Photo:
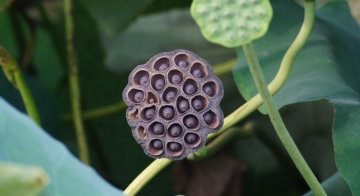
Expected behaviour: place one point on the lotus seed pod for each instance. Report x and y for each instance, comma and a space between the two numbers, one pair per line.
173, 104
232, 23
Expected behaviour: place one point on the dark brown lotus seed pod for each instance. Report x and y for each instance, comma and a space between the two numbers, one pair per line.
173, 104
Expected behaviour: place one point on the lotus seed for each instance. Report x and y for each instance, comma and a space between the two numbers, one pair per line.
190, 88
174, 146
208, 118
208, 90
170, 95
168, 112
175, 130
163, 67
197, 104
158, 128
183, 64
159, 84
157, 144
190, 121
176, 79
149, 113
197, 73
138, 97
144, 80
183, 105
191, 138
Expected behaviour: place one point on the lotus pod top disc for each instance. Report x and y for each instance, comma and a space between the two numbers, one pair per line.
232, 23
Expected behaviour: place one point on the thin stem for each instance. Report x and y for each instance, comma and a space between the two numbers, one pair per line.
277, 121
281, 76
146, 175
74, 83
15, 76
224, 68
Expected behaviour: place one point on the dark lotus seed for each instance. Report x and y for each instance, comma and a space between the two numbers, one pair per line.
191, 138
138, 97
170, 96
174, 146
163, 66
176, 79
144, 80
158, 128
183, 64
190, 121
208, 117
168, 112
183, 105
157, 144
149, 113
190, 89
175, 130
208, 90
197, 104
159, 84
197, 73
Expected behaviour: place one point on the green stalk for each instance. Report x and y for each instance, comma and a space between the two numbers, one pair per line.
277, 121
15, 76
75, 94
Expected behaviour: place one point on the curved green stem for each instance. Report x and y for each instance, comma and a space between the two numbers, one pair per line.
279, 80
15, 76
277, 121
74, 83
146, 175
281, 76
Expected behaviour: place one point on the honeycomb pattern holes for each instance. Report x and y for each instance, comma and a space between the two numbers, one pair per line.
141, 78
190, 87
199, 103
211, 119
175, 77
192, 140
167, 112
151, 98
141, 133
174, 149
157, 128
182, 104
198, 70
175, 130
148, 113
136, 96
210, 88
191, 121
162, 64
156, 147
158, 82
170, 94
182, 60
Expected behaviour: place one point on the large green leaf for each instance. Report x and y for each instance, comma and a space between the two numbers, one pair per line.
22, 141
327, 68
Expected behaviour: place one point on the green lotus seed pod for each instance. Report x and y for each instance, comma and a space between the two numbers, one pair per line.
232, 23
